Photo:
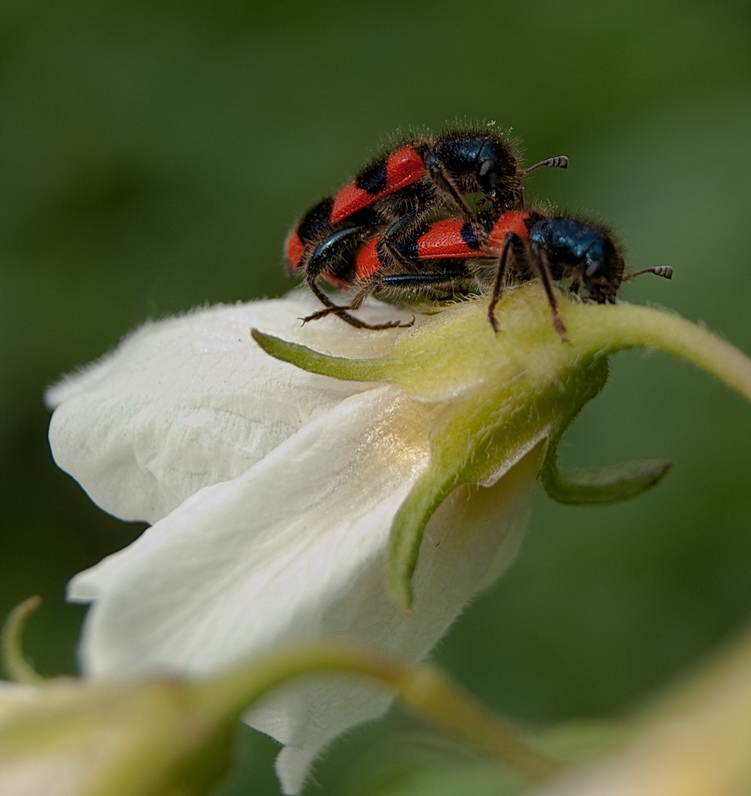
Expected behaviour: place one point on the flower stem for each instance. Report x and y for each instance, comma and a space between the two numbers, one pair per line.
422, 687
628, 326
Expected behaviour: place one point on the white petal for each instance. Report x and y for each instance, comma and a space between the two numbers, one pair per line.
191, 401
14, 696
30, 760
246, 561
32, 776
273, 492
474, 533
294, 550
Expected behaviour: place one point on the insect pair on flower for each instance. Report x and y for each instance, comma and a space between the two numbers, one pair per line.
444, 216
413, 453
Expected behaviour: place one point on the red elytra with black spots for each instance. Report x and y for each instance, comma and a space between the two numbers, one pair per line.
452, 257
459, 172
466, 256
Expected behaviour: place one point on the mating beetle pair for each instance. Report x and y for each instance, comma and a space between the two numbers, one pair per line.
444, 216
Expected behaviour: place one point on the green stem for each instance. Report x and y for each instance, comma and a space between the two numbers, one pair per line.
629, 326
422, 687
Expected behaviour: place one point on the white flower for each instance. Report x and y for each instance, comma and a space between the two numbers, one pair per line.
280, 498
68, 737
272, 492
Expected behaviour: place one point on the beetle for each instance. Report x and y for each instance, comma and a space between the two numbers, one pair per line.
470, 172
445, 258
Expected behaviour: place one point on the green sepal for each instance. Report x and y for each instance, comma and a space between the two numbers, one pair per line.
496, 394
598, 486
15, 664
408, 530
601, 485
315, 362
524, 419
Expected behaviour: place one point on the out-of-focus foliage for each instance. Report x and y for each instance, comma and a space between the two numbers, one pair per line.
152, 157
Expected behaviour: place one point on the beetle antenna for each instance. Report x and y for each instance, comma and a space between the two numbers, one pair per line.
558, 162
665, 271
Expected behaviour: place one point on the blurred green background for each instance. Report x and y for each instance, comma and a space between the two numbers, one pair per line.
152, 158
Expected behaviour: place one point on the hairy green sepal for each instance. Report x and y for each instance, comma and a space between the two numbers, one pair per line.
497, 397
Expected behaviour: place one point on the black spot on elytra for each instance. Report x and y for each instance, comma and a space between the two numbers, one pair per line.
406, 244
316, 220
372, 178
469, 237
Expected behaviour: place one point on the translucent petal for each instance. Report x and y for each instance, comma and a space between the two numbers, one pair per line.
191, 401
274, 492
295, 550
